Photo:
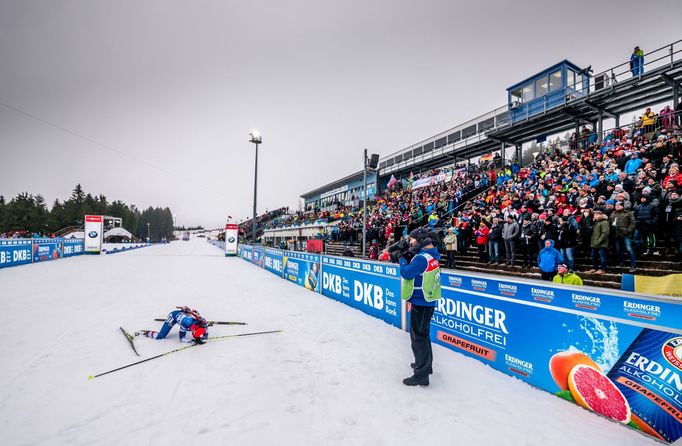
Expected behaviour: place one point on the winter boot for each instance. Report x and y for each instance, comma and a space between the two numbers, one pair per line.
417, 381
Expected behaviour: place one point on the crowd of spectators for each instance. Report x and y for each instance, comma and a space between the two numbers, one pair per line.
25, 234
611, 202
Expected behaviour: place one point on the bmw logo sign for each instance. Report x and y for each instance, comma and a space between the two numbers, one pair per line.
92, 234
231, 239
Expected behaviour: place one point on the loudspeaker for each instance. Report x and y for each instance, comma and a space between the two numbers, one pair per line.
373, 161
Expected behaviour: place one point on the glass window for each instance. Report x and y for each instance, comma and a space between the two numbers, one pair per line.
578, 82
527, 92
555, 81
517, 95
541, 87
452, 137
467, 132
570, 81
486, 124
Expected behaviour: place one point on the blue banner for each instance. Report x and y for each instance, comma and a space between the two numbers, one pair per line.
15, 252
245, 252
302, 268
45, 249
72, 247
257, 258
573, 342
372, 287
663, 312
273, 261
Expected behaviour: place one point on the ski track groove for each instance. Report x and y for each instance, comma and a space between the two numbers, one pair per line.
169, 407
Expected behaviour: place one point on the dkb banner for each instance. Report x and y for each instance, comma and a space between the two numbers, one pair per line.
302, 268
72, 247
615, 359
372, 287
257, 258
15, 252
46, 249
246, 252
273, 261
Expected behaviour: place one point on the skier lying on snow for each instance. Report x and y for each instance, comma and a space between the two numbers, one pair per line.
187, 320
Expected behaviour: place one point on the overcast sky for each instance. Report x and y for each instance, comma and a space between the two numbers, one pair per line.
151, 102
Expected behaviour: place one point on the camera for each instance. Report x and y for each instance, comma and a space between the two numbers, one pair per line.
400, 249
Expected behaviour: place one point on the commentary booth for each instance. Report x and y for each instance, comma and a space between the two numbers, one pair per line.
616, 353
547, 89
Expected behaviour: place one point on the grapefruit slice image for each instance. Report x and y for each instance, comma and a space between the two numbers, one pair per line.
594, 391
561, 364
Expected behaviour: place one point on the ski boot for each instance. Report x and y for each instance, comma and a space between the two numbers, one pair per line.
146, 333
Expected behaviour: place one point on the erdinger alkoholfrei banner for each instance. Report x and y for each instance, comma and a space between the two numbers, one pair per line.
45, 249
618, 356
93, 233
231, 237
302, 268
273, 261
15, 252
371, 287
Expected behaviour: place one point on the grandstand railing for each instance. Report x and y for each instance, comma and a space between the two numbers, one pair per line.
499, 118
665, 56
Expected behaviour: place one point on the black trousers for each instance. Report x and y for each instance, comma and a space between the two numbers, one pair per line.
451, 259
420, 328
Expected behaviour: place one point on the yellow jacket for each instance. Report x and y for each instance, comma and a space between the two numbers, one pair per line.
648, 118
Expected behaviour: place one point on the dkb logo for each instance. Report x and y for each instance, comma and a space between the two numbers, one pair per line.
331, 282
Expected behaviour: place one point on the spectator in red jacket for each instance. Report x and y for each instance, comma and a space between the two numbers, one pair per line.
482, 241
674, 175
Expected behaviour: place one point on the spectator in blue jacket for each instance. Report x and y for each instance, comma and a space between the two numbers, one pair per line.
548, 260
632, 165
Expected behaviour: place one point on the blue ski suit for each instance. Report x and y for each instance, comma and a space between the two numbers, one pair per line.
184, 321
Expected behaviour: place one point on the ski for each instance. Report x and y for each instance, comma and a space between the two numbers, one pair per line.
130, 339
213, 322
180, 349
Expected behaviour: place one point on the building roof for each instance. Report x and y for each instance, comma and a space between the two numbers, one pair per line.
335, 184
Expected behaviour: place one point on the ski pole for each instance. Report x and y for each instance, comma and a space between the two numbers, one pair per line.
180, 349
212, 322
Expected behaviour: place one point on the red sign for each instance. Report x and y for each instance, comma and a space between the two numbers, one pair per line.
315, 246
231, 226
94, 218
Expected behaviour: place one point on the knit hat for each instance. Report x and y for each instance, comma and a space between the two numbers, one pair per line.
419, 234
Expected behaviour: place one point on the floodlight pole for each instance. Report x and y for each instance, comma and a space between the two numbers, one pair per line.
256, 139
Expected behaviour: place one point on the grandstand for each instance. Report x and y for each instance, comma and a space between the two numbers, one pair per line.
625, 173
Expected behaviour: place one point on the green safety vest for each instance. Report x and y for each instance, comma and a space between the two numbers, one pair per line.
430, 281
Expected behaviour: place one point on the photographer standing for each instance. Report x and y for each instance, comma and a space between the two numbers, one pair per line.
421, 286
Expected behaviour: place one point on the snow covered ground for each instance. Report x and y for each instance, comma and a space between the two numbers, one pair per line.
332, 377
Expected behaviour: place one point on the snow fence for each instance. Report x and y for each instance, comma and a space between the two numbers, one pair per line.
547, 335
14, 252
